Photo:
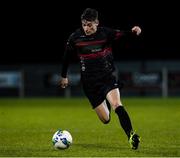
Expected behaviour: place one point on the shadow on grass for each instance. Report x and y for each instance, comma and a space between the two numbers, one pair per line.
101, 146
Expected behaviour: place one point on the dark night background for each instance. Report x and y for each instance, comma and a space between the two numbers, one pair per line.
37, 32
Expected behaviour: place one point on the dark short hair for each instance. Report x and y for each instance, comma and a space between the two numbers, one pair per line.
89, 14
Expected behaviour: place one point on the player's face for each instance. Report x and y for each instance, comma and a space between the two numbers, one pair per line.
89, 27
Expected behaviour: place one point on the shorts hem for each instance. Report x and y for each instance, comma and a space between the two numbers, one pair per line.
104, 97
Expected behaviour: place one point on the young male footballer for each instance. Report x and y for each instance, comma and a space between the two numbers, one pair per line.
93, 45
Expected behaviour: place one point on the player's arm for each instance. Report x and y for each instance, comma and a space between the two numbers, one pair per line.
135, 31
118, 34
64, 79
63, 82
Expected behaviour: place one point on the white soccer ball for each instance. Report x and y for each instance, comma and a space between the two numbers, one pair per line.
62, 139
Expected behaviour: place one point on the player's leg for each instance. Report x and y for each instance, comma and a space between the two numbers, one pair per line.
113, 97
103, 112
108, 105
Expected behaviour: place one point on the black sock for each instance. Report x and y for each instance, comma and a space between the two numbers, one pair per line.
124, 120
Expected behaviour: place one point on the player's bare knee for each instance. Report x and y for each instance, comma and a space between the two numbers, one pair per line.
114, 106
106, 121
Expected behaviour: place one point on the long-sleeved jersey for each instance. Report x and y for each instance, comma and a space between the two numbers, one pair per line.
94, 51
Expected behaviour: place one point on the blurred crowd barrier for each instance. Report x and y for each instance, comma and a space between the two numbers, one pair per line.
136, 78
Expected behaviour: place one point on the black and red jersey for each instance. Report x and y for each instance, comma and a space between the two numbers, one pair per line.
94, 51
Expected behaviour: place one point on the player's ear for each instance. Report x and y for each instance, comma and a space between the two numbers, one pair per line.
97, 22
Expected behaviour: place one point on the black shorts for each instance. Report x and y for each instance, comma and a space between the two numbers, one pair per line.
96, 89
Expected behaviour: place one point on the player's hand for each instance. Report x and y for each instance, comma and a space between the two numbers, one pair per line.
136, 29
63, 82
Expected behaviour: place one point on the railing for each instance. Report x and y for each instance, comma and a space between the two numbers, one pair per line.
42, 80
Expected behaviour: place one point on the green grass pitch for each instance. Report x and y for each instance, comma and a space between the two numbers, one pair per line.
27, 126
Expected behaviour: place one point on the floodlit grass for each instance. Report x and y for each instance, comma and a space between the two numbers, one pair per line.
27, 126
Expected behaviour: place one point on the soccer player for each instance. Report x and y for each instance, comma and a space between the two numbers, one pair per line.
93, 45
